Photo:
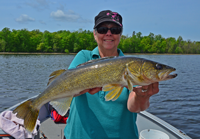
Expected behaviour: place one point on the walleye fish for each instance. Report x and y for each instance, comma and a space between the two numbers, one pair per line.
111, 73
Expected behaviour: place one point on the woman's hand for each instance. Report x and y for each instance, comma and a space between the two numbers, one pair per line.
92, 91
139, 98
147, 91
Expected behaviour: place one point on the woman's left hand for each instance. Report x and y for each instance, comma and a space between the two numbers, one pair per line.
139, 98
147, 91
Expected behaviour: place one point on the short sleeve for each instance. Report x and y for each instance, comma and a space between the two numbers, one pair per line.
80, 58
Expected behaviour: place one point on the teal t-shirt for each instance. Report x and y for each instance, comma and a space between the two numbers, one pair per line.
91, 117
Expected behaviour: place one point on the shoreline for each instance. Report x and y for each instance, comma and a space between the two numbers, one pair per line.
34, 53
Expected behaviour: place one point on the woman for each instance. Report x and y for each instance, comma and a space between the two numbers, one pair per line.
91, 117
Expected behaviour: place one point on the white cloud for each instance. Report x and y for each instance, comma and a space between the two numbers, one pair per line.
69, 16
24, 19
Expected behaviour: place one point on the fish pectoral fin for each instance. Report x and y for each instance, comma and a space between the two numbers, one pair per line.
54, 75
130, 85
132, 77
115, 91
118, 94
109, 87
61, 105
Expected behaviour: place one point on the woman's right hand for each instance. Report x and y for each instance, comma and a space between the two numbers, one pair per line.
92, 91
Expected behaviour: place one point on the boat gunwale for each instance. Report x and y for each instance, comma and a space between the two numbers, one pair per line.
173, 130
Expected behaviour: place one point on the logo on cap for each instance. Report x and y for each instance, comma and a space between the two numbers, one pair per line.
114, 16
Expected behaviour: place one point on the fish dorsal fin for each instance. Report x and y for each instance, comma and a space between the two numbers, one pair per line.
95, 60
115, 91
61, 105
55, 74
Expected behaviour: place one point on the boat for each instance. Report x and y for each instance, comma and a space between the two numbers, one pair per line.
145, 122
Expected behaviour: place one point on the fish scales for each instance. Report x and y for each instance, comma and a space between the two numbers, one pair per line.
84, 77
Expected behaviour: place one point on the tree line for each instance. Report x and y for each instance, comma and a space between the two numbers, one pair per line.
72, 42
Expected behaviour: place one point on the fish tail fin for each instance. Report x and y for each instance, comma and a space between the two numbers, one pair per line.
27, 112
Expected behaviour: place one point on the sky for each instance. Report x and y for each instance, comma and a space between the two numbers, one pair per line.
169, 18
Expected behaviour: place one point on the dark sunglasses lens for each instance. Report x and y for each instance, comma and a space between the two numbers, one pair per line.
116, 30
102, 30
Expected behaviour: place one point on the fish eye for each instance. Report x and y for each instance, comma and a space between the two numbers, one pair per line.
159, 66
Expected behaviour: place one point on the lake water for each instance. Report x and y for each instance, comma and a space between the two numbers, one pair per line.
178, 102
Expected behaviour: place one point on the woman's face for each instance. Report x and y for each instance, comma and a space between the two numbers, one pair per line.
107, 41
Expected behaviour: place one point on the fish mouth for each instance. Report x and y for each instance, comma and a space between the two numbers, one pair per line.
167, 75
171, 76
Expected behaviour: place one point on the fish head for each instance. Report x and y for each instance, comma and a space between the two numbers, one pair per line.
155, 72
145, 72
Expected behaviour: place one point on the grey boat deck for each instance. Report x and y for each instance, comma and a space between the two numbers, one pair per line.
52, 130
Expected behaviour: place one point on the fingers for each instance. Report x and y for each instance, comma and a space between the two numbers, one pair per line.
155, 87
141, 89
147, 90
92, 91
82, 92
144, 89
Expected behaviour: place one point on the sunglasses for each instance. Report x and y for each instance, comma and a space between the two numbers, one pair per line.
113, 30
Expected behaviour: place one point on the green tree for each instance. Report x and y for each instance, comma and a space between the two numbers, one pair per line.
2, 45
171, 44
139, 47
151, 37
15, 41
66, 41
127, 45
46, 44
24, 38
178, 50
5, 35
163, 47
71, 39
145, 44
41, 47
35, 39
158, 37
139, 35
56, 38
